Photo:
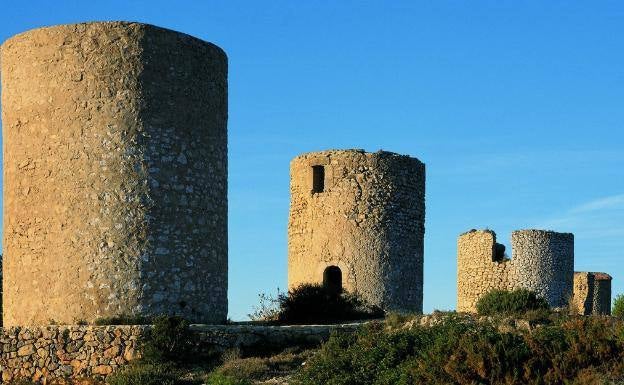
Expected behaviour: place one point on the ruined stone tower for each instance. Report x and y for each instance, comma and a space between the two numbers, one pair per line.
115, 167
357, 220
543, 262
592, 293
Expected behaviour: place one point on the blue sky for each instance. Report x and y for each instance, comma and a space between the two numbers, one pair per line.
515, 107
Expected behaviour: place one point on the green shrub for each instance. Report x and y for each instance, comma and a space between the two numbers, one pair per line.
460, 351
145, 374
123, 319
502, 302
618, 306
263, 367
316, 304
169, 340
221, 379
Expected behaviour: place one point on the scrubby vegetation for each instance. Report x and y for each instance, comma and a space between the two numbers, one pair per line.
309, 304
261, 367
502, 302
146, 374
169, 341
618, 306
164, 350
461, 350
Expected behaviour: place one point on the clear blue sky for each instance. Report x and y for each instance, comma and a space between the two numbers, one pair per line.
515, 107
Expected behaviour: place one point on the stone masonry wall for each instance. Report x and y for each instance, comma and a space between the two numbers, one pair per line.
43, 354
369, 221
55, 352
115, 174
592, 293
543, 261
602, 294
583, 301
478, 271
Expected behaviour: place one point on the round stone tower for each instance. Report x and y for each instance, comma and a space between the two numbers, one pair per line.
115, 174
357, 221
544, 263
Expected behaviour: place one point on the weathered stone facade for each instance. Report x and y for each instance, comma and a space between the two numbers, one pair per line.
48, 353
43, 354
592, 293
543, 261
364, 214
115, 174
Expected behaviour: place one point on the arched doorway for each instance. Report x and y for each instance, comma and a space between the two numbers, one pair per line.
332, 279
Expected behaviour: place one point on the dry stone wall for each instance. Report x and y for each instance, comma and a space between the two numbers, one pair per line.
44, 354
543, 261
363, 213
115, 174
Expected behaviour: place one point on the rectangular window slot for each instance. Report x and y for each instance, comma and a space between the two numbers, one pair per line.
318, 179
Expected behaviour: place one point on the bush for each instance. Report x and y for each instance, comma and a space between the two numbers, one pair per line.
618, 306
464, 352
265, 367
316, 304
145, 374
220, 379
169, 340
502, 302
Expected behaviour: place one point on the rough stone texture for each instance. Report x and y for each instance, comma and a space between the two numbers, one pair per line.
224, 337
602, 294
543, 261
115, 167
584, 287
48, 353
44, 354
592, 293
369, 221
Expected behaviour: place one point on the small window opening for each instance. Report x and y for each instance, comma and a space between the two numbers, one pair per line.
499, 253
318, 179
332, 279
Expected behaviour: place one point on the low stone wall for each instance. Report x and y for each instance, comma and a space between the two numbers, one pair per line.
242, 336
43, 354
55, 352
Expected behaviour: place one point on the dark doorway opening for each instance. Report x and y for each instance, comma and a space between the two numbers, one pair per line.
499, 253
332, 279
318, 179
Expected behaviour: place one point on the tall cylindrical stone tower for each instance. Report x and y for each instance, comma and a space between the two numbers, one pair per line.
357, 220
544, 263
115, 174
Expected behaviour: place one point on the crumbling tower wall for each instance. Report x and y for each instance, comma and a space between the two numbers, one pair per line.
358, 218
115, 174
592, 293
542, 261
584, 288
480, 269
